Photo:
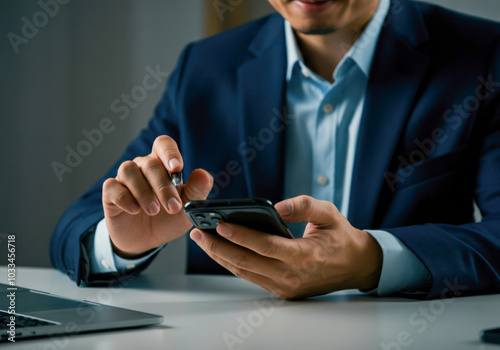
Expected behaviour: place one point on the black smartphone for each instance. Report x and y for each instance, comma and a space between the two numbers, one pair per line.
256, 213
491, 335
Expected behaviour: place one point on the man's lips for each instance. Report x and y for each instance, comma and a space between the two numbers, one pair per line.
313, 6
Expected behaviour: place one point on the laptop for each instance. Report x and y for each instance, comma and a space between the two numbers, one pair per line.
39, 314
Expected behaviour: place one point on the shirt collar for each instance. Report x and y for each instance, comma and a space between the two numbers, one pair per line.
361, 52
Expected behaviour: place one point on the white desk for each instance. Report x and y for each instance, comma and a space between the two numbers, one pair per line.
200, 312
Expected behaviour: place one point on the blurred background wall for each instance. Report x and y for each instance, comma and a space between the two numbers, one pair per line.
60, 78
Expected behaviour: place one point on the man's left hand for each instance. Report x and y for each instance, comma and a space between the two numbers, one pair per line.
332, 255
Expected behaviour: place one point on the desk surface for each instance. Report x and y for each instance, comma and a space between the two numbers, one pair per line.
221, 312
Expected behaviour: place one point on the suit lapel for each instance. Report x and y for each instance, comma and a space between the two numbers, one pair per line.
261, 92
396, 74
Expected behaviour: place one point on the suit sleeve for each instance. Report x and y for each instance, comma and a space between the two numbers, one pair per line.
464, 259
67, 248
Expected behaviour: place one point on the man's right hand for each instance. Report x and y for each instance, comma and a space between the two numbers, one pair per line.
142, 208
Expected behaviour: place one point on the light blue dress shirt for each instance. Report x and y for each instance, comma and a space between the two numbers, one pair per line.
101, 255
320, 149
322, 135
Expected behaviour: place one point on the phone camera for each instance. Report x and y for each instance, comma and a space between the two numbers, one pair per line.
205, 224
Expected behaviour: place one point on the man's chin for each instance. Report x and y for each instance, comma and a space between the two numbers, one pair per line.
316, 30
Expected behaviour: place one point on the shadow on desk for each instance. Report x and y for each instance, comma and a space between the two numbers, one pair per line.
237, 288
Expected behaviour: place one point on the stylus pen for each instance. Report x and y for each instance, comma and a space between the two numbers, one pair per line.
176, 178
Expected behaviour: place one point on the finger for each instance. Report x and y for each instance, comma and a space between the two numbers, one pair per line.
155, 173
131, 176
165, 148
264, 244
307, 209
243, 260
116, 199
276, 276
198, 186
265, 282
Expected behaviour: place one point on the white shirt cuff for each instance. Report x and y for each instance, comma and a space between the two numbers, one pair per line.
104, 260
401, 269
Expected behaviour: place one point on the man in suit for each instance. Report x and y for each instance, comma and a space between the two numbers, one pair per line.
377, 122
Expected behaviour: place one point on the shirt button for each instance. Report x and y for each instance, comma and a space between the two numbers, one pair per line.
327, 108
322, 180
105, 263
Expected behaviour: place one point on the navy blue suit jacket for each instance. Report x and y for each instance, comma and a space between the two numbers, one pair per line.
429, 141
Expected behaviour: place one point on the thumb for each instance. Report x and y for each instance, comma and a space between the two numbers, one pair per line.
198, 186
308, 209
